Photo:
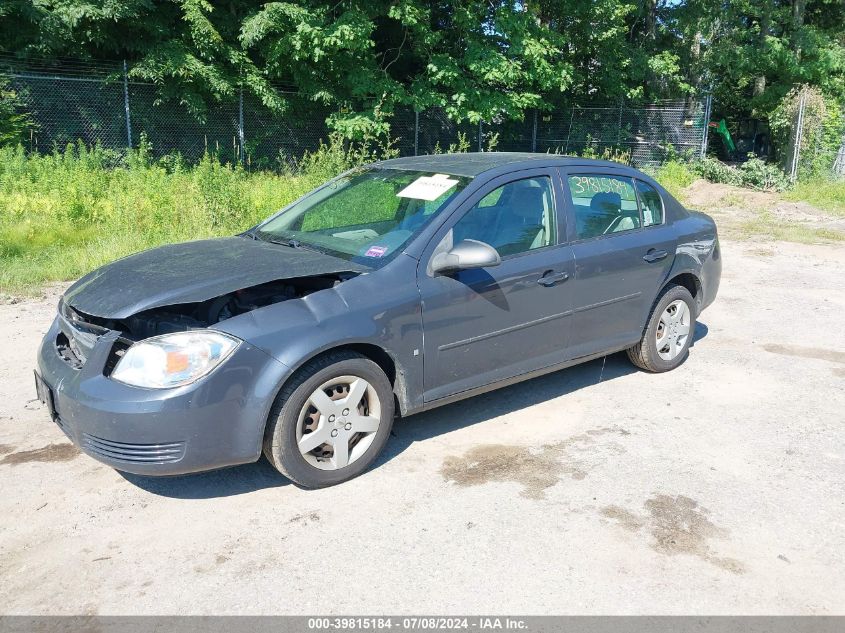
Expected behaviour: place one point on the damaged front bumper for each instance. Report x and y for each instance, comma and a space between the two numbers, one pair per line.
215, 422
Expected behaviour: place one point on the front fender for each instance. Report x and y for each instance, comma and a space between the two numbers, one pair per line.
380, 309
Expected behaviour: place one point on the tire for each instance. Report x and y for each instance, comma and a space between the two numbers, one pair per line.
294, 417
646, 354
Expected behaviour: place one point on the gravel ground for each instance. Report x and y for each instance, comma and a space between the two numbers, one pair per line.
716, 488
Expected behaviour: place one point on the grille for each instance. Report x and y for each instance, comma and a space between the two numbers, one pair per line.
134, 453
77, 337
69, 352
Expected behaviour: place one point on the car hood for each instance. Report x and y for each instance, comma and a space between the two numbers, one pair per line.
191, 272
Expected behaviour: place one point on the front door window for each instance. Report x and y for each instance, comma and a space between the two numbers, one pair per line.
514, 218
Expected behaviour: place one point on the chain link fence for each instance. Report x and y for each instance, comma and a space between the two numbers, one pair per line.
104, 106
813, 149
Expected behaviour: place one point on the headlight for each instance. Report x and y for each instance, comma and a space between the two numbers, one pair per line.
175, 359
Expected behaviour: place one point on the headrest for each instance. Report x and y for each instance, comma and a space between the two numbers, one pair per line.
527, 202
606, 202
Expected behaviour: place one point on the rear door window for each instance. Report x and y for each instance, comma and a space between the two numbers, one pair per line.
651, 202
603, 205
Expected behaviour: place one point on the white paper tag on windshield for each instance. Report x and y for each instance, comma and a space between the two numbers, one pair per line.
428, 187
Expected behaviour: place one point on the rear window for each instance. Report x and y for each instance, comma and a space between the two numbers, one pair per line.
603, 205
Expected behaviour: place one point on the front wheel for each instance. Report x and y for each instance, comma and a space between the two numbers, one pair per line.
331, 422
667, 337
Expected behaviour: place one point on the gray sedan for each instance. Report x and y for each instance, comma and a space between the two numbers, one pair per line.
394, 288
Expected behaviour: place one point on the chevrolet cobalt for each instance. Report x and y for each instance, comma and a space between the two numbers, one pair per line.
391, 289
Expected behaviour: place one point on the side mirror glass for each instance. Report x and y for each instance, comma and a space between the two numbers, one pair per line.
465, 255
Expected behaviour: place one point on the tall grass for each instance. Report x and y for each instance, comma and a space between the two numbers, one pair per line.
824, 193
754, 173
64, 214
675, 176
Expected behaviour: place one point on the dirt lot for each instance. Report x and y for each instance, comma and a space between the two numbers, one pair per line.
717, 488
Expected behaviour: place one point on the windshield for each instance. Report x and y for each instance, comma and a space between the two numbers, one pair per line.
366, 216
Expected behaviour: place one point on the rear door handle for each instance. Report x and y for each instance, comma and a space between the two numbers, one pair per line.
655, 256
550, 278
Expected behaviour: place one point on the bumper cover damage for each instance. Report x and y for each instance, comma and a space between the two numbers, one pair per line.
213, 423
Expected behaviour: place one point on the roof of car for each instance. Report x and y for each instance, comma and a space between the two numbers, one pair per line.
473, 163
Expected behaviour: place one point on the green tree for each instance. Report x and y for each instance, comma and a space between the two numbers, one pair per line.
14, 120
477, 60
758, 50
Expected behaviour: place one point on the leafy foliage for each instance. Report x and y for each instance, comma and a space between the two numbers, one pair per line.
338, 155
64, 214
753, 173
822, 126
757, 174
14, 120
717, 171
675, 175
760, 49
477, 60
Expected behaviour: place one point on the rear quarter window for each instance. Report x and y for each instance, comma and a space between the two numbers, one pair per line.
651, 202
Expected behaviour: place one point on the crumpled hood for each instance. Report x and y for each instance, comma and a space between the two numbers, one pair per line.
191, 272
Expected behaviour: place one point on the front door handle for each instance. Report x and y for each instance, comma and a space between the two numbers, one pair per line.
550, 278
655, 256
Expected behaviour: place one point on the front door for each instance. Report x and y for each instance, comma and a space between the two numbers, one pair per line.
488, 324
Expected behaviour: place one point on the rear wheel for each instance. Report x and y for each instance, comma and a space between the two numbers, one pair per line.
331, 421
667, 337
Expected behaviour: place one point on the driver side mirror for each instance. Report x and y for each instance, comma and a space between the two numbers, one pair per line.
465, 255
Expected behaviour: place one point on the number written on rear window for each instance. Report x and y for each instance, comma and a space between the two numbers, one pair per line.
603, 205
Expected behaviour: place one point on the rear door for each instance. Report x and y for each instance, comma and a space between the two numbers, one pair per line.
488, 324
623, 251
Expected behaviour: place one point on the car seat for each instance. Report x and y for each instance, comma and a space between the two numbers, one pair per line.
607, 203
520, 224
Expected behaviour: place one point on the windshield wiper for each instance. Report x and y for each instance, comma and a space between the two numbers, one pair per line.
289, 242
